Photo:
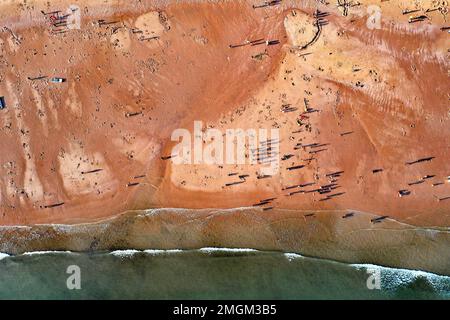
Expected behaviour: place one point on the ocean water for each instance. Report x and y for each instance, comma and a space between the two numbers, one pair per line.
207, 273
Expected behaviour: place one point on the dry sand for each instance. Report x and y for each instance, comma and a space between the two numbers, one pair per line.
381, 96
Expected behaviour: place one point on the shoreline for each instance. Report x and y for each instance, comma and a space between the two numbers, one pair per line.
322, 235
129, 253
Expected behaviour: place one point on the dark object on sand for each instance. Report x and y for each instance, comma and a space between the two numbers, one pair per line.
403, 193
410, 11
37, 78
132, 184
419, 160
295, 167
2, 103
54, 205
379, 219
267, 4
417, 19
286, 157
91, 171
132, 114
233, 183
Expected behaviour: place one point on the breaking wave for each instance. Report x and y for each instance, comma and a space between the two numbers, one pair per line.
36, 253
231, 250
320, 277
207, 250
3, 256
292, 256
392, 278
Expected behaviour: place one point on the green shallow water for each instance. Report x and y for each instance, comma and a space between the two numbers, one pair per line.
207, 274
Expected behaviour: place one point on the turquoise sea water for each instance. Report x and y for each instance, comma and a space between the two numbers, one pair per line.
206, 274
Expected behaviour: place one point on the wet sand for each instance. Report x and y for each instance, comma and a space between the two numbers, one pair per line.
322, 234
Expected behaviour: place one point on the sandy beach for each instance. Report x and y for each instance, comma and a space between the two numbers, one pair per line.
359, 95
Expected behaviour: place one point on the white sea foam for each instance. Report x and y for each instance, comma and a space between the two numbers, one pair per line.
129, 253
157, 251
154, 252
33, 253
3, 255
292, 256
124, 253
239, 250
392, 278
